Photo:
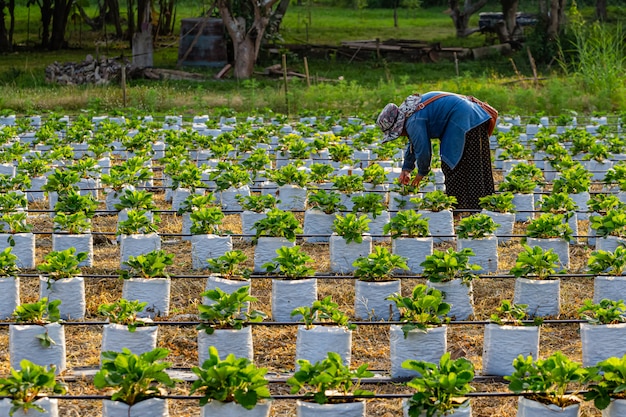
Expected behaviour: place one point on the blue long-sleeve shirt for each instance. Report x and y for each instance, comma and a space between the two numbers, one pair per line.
448, 118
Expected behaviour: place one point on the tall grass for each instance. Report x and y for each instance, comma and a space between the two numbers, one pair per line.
597, 56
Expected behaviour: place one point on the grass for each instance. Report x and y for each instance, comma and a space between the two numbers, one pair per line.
338, 84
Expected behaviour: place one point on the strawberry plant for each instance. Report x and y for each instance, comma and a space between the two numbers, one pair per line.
378, 265
229, 265
148, 265
535, 263
134, 378
227, 310
206, 220
435, 201
324, 310
499, 203
549, 380
440, 388
549, 226
230, 380
317, 381
449, 265
351, 227
605, 312
278, 223
290, 262
407, 223
476, 226
124, 312
29, 383
606, 262
424, 308
327, 201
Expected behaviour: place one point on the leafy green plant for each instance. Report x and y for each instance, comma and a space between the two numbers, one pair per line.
605, 312
188, 176
134, 378
228, 310
133, 171
8, 265
230, 176
613, 223
257, 203
572, 180
476, 226
424, 308
289, 174
348, 183
29, 383
148, 265
328, 202
601, 203
499, 203
320, 173
230, 380
16, 223
549, 226
136, 199
607, 383
324, 310
75, 223
229, 265
278, 223
62, 264
206, 220
12, 201
549, 380
509, 313
449, 265
606, 262
374, 174
318, 380
407, 223
369, 203
138, 221
351, 227
440, 388
61, 181
340, 152
517, 185
124, 312
73, 201
535, 263
290, 262
379, 265
558, 203
39, 313
435, 201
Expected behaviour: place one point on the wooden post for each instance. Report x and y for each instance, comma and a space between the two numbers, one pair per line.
123, 78
306, 72
456, 63
532, 65
285, 80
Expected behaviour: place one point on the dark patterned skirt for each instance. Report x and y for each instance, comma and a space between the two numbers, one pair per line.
472, 177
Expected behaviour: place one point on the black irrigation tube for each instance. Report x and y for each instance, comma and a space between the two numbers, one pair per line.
294, 324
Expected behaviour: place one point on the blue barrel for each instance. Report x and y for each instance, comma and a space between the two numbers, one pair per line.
209, 50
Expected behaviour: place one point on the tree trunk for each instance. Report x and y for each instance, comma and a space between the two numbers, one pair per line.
461, 17
244, 58
130, 11
5, 46
62, 9
142, 38
114, 12
246, 40
556, 18
277, 17
509, 10
601, 13
46, 18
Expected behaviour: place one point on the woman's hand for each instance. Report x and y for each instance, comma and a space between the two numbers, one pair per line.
405, 178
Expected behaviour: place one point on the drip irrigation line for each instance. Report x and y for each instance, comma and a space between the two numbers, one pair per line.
297, 323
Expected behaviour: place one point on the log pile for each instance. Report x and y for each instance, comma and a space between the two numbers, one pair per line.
90, 71
109, 70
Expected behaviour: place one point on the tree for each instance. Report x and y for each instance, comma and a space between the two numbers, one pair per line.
509, 11
555, 15
6, 34
601, 14
246, 22
461, 17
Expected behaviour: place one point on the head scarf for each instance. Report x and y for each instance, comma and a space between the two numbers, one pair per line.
391, 119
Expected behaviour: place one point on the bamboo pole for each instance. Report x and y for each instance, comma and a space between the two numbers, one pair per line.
285, 81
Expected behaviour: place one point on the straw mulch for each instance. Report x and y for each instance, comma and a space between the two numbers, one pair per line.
275, 347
